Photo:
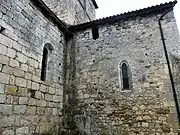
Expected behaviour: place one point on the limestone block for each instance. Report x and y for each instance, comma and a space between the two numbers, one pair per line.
20, 82
10, 89
2, 98
59, 92
43, 88
35, 86
38, 95
57, 98
32, 101
41, 103
23, 100
22, 131
52, 90
4, 78
4, 59
24, 67
8, 132
22, 91
29, 84
31, 110
19, 109
8, 70
55, 111
7, 121
6, 109
3, 49
2, 86
21, 58
18, 72
6, 41
11, 53
48, 97
13, 63
9, 99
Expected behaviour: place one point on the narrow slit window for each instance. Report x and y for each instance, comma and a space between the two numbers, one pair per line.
95, 32
44, 64
125, 77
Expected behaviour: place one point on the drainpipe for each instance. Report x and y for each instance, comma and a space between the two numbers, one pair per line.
168, 62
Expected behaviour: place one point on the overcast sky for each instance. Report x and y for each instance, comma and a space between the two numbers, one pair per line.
113, 7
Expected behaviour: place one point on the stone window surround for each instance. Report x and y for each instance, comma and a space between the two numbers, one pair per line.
49, 49
129, 76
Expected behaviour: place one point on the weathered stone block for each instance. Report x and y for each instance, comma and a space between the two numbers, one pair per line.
38, 95
19, 109
13, 63
57, 98
31, 110
43, 88
11, 53
4, 78
4, 59
2, 98
23, 100
8, 70
3, 49
41, 103
32, 101
18, 72
10, 89
21, 58
48, 97
24, 67
35, 86
20, 82
6, 109
22, 131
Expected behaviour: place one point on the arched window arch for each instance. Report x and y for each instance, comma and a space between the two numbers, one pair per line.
125, 76
47, 50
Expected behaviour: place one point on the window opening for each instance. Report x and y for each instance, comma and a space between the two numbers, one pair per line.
125, 77
95, 32
44, 64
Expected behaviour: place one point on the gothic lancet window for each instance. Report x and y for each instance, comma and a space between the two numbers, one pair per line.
46, 52
125, 76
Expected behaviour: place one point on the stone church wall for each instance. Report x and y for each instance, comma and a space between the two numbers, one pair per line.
29, 106
72, 11
148, 107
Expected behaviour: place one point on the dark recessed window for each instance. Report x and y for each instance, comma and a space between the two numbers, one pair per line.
46, 60
44, 64
125, 76
95, 32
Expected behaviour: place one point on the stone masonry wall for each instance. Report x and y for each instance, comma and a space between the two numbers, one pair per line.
72, 11
29, 106
103, 107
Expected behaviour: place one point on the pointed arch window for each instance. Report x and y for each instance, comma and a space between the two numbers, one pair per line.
125, 76
46, 52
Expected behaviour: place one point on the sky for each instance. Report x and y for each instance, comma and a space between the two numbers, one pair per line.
113, 7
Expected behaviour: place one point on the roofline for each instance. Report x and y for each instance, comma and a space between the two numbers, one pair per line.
125, 16
95, 4
51, 16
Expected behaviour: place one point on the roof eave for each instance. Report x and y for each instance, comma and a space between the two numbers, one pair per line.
124, 16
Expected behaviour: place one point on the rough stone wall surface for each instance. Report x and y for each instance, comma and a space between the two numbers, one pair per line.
28, 105
72, 11
148, 108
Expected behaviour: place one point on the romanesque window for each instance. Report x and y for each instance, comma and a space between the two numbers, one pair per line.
125, 76
95, 32
47, 50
